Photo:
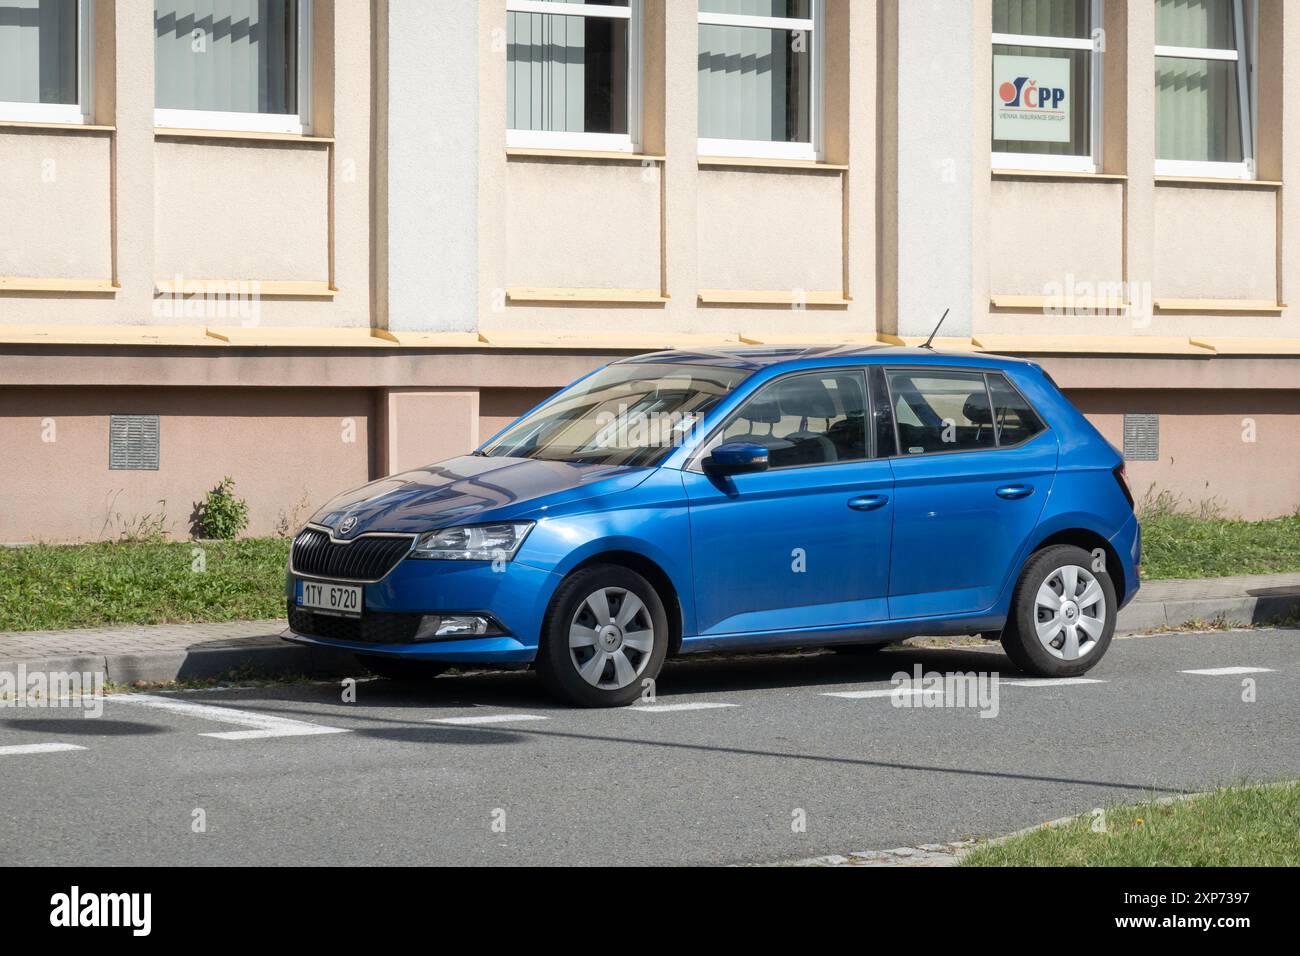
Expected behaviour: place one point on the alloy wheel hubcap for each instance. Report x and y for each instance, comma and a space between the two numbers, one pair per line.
1070, 613
610, 638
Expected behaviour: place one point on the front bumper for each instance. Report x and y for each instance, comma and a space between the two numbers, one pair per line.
516, 596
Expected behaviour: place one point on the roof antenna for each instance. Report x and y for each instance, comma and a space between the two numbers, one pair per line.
936, 331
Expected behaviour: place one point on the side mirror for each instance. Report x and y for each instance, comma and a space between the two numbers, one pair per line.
736, 458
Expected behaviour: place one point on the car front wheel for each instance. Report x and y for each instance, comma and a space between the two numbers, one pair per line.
1063, 614
605, 635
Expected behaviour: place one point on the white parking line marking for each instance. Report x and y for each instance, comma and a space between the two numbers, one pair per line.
1225, 671
666, 708
889, 692
18, 749
265, 725
1053, 682
486, 719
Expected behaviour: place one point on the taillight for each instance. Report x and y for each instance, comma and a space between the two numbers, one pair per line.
1121, 475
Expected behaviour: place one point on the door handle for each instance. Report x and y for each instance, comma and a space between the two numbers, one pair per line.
868, 502
1012, 492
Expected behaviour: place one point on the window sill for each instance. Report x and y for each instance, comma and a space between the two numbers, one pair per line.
758, 162
530, 152
1217, 181
1040, 303
1056, 174
785, 298
254, 287
1218, 305
562, 296
67, 286
56, 127
172, 132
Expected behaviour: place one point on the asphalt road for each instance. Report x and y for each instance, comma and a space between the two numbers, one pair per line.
638, 786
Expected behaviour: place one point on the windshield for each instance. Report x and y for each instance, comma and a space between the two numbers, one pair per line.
621, 415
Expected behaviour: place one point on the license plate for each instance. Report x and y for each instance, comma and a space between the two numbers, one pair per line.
341, 599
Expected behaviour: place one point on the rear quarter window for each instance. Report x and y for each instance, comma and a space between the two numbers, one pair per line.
1014, 419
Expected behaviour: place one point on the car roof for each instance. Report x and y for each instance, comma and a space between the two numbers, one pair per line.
754, 357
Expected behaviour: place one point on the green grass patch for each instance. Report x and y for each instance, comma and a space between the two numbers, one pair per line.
48, 587
1253, 825
1181, 542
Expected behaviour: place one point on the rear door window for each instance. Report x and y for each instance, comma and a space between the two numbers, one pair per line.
941, 410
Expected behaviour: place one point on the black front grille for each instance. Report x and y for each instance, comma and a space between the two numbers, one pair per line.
367, 558
373, 627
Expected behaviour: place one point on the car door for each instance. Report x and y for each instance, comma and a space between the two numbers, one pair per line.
974, 469
805, 543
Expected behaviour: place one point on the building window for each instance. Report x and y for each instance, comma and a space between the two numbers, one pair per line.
232, 64
45, 50
573, 74
1204, 106
1047, 74
760, 66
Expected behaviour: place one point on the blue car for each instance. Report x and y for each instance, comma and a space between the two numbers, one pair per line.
738, 499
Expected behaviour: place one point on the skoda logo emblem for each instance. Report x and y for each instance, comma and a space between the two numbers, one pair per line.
347, 524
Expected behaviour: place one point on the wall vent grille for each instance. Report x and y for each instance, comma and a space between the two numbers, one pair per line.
1142, 437
133, 442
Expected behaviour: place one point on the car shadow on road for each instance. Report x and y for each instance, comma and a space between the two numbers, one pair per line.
691, 675
83, 724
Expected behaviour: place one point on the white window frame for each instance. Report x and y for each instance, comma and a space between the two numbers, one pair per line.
811, 151
297, 124
629, 142
1246, 100
81, 113
1095, 44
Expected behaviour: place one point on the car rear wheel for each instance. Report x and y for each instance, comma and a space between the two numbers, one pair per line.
392, 668
605, 635
1063, 614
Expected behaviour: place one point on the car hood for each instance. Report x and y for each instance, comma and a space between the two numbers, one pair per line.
468, 489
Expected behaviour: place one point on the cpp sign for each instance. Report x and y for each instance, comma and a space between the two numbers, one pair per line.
1031, 98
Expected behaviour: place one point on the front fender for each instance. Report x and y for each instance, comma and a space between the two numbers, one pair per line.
650, 521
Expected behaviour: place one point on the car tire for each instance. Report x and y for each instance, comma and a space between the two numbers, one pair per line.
1051, 632
396, 669
604, 635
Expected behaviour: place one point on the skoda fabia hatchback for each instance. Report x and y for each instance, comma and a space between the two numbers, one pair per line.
732, 500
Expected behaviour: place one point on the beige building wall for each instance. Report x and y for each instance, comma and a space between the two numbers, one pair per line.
416, 276
666, 243
117, 206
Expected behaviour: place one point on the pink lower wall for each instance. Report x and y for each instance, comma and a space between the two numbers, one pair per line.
290, 449
498, 407
1206, 451
287, 449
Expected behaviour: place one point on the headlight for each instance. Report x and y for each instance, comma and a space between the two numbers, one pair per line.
483, 542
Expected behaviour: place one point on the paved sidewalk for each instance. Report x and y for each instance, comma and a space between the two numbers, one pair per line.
170, 651
162, 652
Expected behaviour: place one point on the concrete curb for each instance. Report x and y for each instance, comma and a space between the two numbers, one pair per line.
1260, 609
257, 649
198, 664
